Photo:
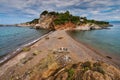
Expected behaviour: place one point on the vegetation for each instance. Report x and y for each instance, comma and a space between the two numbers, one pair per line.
70, 74
47, 38
62, 18
86, 64
26, 49
99, 69
36, 52
65, 17
35, 21
96, 64
96, 22
44, 12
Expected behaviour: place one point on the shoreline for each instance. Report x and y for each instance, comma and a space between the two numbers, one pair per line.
46, 45
7, 57
103, 54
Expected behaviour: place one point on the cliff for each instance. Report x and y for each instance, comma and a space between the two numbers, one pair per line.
45, 21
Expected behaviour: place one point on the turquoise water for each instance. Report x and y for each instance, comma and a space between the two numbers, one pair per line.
13, 37
106, 40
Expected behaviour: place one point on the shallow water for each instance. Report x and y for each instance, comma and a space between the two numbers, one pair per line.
106, 40
12, 37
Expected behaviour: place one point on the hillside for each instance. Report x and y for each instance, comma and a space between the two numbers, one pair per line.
55, 21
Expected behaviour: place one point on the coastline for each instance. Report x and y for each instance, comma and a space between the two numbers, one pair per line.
7, 57
54, 40
101, 53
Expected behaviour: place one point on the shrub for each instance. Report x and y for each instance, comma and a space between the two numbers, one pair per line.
44, 12
47, 38
70, 74
26, 49
86, 64
75, 19
74, 66
52, 13
99, 69
96, 64
66, 17
35, 21
36, 52
86, 68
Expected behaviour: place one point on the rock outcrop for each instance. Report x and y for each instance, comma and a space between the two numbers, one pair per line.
45, 22
60, 66
67, 26
80, 71
87, 26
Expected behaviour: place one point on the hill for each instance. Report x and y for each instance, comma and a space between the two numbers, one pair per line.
54, 21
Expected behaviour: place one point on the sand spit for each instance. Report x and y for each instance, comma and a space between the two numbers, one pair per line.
26, 63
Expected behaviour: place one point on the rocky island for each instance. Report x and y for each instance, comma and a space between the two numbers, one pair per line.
60, 21
57, 56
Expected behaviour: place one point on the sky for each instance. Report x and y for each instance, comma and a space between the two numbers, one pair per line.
18, 11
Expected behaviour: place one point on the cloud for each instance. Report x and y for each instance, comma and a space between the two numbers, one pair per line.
93, 9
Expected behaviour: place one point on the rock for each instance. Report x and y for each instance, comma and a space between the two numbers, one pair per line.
90, 75
113, 72
51, 70
62, 50
45, 22
68, 26
88, 26
36, 52
47, 38
109, 57
77, 71
62, 76
17, 77
60, 38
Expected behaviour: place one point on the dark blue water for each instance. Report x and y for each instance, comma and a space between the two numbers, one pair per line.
106, 41
13, 37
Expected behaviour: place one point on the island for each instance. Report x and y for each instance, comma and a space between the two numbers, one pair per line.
60, 21
57, 56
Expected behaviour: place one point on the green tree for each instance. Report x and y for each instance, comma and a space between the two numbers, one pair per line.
44, 12
35, 21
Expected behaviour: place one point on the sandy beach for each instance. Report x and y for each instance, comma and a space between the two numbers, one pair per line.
57, 39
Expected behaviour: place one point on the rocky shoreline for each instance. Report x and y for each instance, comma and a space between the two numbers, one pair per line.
85, 27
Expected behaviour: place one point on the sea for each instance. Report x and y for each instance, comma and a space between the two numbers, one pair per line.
105, 41
11, 37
